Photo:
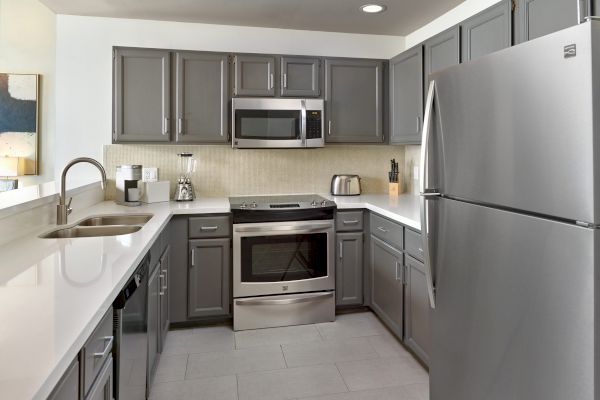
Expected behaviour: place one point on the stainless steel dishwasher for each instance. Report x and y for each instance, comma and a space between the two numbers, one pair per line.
131, 336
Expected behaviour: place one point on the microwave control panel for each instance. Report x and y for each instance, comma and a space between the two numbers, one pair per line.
313, 124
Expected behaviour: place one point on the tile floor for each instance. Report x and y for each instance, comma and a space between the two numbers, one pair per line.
353, 358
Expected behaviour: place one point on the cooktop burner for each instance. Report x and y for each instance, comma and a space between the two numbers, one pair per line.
281, 203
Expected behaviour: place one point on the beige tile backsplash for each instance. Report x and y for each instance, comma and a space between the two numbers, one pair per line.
223, 171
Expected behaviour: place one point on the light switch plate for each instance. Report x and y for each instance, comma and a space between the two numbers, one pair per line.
149, 174
415, 172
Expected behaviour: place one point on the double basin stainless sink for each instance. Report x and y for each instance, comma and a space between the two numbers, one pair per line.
101, 225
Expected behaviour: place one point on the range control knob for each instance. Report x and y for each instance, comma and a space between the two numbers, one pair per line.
244, 205
314, 203
253, 205
324, 203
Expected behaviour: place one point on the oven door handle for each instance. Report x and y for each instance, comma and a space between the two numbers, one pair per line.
293, 300
284, 228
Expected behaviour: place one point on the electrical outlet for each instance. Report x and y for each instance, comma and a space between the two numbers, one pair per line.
149, 174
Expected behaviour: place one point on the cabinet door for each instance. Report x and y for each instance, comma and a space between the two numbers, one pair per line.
406, 97
349, 269
68, 386
153, 315
442, 51
386, 284
354, 101
103, 387
486, 32
254, 76
300, 77
535, 18
164, 299
201, 97
209, 274
416, 327
142, 93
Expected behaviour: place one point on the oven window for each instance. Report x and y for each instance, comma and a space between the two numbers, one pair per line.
284, 258
267, 124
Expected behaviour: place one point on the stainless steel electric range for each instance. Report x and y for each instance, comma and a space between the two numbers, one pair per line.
283, 260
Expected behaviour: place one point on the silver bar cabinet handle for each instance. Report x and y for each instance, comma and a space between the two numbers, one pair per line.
193, 256
271, 83
165, 276
166, 126
351, 222
329, 128
162, 285
180, 126
341, 244
208, 228
380, 228
426, 192
285, 80
418, 123
109, 342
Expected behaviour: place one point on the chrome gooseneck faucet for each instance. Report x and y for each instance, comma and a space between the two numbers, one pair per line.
63, 209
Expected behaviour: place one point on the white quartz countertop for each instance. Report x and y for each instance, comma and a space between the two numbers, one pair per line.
53, 292
403, 208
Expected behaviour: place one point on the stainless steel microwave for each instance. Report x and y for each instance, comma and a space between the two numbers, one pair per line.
277, 123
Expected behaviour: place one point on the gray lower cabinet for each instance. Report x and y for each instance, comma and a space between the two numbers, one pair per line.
406, 97
487, 32
209, 290
300, 77
201, 98
417, 311
142, 94
354, 101
154, 286
535, 18
349, 269
254, 75
442, 51
103, 387
68, 386
164, 294
387, 291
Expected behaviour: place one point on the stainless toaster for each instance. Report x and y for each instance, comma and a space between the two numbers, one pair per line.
345, 185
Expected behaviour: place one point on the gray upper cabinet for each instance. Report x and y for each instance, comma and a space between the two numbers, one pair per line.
349, 269
417, 325
300, 77
209, 276
442, 51
354, 100
387, 292
535, 18
406, 97
141, 95
201, 97
487, 32
254, 75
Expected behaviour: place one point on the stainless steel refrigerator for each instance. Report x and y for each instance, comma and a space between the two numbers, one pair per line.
510, 215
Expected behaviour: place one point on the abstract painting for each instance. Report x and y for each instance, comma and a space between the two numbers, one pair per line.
19, 118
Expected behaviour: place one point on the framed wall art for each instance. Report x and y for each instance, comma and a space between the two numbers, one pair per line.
19, 105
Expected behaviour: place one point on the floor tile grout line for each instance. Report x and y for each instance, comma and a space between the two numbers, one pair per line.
342, 376
237, 386
284, 359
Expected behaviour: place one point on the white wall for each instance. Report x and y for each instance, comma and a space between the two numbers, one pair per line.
84, 65
449, 19
27, 45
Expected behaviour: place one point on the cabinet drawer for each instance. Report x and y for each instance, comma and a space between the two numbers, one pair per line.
388, 231
209, 227
414, 244
96, 350
349, 221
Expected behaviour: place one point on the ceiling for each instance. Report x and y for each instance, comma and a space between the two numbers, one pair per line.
401, 17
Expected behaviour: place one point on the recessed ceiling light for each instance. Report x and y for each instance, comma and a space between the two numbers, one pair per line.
372, 8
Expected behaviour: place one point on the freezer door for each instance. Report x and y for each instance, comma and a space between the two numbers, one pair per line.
517, 127
514, 318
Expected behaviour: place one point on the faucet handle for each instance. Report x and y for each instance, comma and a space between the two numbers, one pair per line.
69, 209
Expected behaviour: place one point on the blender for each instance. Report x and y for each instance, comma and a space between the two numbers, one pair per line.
187, 166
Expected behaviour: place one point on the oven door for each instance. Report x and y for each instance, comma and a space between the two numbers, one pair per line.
283, 257
268, 123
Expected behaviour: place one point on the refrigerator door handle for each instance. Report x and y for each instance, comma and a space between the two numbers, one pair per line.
427, 193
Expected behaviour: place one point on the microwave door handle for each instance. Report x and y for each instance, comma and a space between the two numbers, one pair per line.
303, 122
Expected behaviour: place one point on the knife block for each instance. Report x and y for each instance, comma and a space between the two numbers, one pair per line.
394, 188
